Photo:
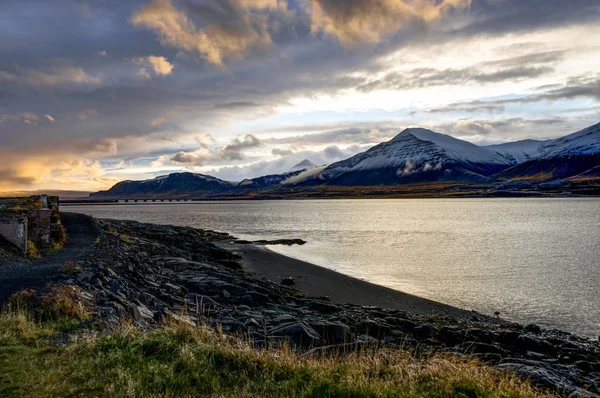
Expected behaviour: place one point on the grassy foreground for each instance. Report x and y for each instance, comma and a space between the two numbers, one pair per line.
184, 360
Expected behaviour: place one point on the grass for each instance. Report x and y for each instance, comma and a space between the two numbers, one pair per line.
185, 360
32, 250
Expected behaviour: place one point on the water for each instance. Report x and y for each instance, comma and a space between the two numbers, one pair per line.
533, 260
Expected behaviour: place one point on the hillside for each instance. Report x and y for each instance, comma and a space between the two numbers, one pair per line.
416, 155
172, 184
564, 157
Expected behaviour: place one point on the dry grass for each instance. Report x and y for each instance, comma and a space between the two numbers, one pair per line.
187, 360
56, 302
70, 267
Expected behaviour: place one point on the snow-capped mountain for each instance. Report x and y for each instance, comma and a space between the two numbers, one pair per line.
519, 151
563, 157
303, 165
270, 180
416, 155
175, 183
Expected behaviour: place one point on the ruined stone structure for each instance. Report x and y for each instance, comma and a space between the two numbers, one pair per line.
32, 220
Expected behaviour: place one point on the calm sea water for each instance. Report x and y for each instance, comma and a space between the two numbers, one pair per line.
534, 260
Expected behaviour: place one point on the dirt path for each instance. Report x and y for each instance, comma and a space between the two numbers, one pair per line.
82, 234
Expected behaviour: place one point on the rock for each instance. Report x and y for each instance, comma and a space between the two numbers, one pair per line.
451, 336
424, 331
332, 332
540, 376
322, 306
533, 328
298, 334
246, 299
508, 337
287, 242
288, 281
480, 335
527, 343
474, 347
374, 329
489, 358
403, 324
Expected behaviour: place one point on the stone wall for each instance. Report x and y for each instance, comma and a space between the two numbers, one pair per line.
14, 229
35, 219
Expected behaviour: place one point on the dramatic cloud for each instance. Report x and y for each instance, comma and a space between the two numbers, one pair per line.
234, 151
357, 21
230, 28
122, 89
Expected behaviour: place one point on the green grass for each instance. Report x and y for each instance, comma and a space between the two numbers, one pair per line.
183, 360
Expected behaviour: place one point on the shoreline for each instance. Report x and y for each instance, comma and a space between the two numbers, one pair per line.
319, 281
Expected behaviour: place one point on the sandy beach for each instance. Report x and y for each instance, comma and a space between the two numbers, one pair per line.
342, 289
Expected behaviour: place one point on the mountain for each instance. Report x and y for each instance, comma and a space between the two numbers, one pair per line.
416, 155
519, 151
303, 165
266, 181
174, 184
565, 157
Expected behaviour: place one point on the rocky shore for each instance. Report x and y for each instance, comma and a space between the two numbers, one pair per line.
149, 273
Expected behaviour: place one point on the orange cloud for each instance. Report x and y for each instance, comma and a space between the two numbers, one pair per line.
367, 21
218, 39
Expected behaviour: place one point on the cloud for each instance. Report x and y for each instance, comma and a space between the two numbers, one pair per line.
11, 177
5, 76
49, 117
59, 76
101, 53
351, 135
368, 21
159, 65
143, 74
235, 150
429, 77
195, 158
282, 152
578, 87
199, 157
229, 30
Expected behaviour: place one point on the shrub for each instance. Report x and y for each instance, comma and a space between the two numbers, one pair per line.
32, 250
70, 267
23, 299
56, 302
60, 301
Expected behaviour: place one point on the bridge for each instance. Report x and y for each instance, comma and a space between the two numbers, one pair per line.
79, 201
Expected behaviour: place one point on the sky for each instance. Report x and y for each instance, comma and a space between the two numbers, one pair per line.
98, 91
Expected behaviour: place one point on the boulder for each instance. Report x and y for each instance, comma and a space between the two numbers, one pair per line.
480, 335
298, 334
332, 332
451, 336
288, 281
424, 331
374, 329
474, 347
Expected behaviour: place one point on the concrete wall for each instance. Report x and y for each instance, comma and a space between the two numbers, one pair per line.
14, 230
35, 218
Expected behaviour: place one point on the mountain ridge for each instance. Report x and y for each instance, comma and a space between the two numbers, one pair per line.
415, 155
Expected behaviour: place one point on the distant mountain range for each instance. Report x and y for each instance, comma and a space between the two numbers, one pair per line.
415, 155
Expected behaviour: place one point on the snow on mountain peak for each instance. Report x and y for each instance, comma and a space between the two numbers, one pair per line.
585, 142
303, 165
